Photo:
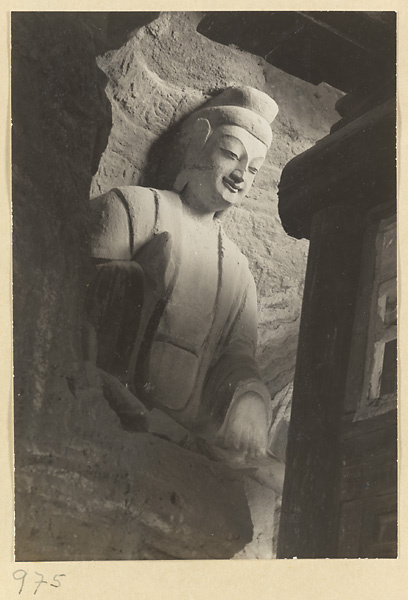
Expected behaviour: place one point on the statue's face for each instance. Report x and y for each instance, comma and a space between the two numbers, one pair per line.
225, 168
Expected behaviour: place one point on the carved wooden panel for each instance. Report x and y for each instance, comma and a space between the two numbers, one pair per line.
372, 376
368, 481
368, 509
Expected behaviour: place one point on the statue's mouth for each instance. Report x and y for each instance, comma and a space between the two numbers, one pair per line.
231, 186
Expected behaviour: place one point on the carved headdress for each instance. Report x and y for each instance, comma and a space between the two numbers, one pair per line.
243, 106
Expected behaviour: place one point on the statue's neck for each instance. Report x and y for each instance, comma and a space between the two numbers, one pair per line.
193, 210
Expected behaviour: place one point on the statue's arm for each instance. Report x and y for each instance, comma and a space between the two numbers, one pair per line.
244, 339
121, 222
114, 295
109, 228
236, 376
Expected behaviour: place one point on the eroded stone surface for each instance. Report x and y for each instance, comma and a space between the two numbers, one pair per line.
164, 500
95, 491
262, 502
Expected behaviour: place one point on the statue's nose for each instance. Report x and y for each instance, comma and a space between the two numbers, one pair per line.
238, 175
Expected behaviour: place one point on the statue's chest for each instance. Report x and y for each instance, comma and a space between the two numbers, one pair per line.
191, 307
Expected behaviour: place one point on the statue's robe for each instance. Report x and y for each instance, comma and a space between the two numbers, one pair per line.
174, 311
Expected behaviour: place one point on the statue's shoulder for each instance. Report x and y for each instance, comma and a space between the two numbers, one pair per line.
124, 195
123, 216
136, 203
137, 199
135, 193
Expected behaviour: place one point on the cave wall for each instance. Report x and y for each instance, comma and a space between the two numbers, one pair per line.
76, 466
61, 121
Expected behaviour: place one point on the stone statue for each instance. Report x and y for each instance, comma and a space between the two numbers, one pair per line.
173, 308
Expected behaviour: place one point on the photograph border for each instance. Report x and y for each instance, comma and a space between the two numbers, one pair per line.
368, 579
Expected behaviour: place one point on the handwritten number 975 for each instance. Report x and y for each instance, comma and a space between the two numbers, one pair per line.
20, 575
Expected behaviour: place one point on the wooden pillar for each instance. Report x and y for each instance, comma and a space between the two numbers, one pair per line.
309, 507
325, 195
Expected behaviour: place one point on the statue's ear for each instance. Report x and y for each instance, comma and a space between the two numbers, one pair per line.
200, 132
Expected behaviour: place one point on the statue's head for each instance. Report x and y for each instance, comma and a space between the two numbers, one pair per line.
225, 144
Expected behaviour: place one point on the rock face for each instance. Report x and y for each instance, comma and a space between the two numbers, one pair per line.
111, 494
61, 121
85, 487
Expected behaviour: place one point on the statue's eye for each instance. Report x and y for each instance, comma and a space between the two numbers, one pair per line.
230, 154
253, 170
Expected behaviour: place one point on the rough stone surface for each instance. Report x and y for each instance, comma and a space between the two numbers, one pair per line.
261, 501
278, 433
110, 494
61, 122
75, 464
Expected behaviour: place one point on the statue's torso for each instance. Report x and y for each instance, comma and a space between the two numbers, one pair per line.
184, 328
190, 310
196, 282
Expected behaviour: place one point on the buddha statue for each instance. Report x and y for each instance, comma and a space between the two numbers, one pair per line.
172, 310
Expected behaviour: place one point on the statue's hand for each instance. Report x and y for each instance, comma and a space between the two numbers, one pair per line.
245, 427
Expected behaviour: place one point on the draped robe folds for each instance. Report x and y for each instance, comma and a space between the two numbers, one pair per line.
175, 316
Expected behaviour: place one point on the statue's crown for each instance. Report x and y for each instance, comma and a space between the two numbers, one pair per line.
243, 106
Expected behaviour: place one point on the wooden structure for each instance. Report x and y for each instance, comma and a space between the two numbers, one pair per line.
340, 488
339, 497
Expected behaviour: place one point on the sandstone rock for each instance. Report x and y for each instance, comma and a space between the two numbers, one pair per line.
88, 489
278, 433
151, 498
164, 426
262, 502
61, 121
